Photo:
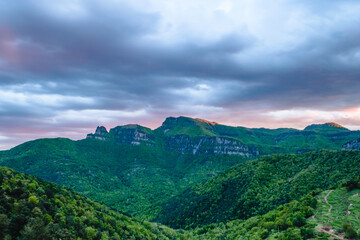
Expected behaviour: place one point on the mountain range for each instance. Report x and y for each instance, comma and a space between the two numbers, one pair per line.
198, 136
192, 173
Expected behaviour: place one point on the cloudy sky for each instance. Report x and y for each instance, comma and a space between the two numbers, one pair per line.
67, 66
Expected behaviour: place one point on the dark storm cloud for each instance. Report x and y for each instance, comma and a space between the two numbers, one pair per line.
97, 39
92, 57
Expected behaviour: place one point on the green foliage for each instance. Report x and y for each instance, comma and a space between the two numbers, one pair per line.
299, 219
4, 224
31, 208
139, 179
188, 126
132, 179
255, 187
268, 141
90, 233
33, 199
60, 213
147, 179
280, 223
349, 230
339, 209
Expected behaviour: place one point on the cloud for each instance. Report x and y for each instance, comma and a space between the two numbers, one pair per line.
67, 66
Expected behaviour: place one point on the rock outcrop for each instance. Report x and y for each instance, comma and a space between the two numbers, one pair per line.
101, 134
197, 136
209, 145
133, 135
352, 145
128, 134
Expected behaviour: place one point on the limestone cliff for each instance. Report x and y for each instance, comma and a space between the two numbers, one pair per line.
101, 134
132, 134
210, 145
129, 134
352, 145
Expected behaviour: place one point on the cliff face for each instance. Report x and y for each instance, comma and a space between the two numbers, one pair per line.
129, 134
352, 145
101, 134
197, 136
136, 135
209, 145
132, 136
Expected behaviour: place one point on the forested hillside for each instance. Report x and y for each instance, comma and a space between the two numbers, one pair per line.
31, 208
188, 135
329, 214
161, 174
258, 186
135, 169
134, 179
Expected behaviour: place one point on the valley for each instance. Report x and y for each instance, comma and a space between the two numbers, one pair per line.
204, 178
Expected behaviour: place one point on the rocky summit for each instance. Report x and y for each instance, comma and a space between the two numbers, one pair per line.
198, 136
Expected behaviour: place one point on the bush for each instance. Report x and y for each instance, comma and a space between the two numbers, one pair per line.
33, 199
90, 233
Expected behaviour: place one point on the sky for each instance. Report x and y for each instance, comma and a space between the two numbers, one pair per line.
68, 66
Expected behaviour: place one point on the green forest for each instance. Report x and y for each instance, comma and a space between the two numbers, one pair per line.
31, 208
257, 186
188, 179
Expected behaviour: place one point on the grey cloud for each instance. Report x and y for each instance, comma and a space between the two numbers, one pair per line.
108, 56
100, 38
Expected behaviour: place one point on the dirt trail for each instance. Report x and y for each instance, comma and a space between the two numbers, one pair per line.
333, 235
348, 211
314, 216
325, 198
328, 229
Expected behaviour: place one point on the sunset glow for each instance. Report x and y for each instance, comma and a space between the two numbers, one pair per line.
69, 66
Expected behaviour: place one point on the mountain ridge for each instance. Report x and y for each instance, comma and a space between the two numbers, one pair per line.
129, 167
185, 119
193, 135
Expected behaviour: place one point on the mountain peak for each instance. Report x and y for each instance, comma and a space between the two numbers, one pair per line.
100, 133
206, 121
101, 130
326, 126
188, 126
134, 126
186, 120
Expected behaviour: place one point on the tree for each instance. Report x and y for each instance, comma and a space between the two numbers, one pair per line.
90, 233
4, 223
35, 230
17, 222
33, 199
299, 219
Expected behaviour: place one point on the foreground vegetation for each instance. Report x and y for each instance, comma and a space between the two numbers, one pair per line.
306, 218
338, 211
31, 208
258, 186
